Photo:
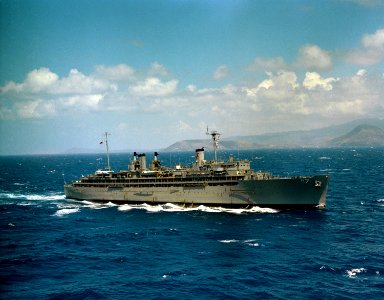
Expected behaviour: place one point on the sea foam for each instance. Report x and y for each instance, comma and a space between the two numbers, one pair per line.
32, 197
353, 272
66, 211
169, 207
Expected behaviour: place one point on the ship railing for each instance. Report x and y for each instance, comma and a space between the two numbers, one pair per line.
160, 181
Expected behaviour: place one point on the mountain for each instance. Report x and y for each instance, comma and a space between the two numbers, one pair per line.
322, 137
362, 135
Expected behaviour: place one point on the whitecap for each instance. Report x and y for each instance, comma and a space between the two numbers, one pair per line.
324, 157
229, 241
153, 208
125, 207
249, 241
32, 197
45, 197
353, 272
66, 211
95, 205
170, 207
68, 205
264, 210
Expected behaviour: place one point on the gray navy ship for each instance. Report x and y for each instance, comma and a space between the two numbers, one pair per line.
231, 183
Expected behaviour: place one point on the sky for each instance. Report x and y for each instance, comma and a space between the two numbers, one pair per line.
155, 72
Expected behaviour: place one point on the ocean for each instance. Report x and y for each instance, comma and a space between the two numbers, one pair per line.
57, 248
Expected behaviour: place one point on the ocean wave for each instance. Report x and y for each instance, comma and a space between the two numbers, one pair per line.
94, 205
169, 207
251, 243
353, 272
66, 211
229, 241
32, 197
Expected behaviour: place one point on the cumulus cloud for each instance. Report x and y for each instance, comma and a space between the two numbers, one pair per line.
40, 79
154, 87
279, 86
44, 81
157, 69
313, 80
268, 64
371, 50
82, 102
312, 57
36, 81
115, 73
221, 72
309, 57
78, 83
34, 109
279, 100
117, 87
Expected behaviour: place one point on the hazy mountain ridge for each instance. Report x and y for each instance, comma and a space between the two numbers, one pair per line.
363, 135
367, 132
356, 133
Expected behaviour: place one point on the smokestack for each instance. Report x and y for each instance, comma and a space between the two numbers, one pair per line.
142, 161
200, 156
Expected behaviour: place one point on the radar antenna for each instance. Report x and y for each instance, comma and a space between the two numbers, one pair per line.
107, 148
215, 140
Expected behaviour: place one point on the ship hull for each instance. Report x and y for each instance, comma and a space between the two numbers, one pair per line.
283, 192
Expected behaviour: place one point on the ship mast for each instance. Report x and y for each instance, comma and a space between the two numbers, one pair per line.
215, 140
107, 148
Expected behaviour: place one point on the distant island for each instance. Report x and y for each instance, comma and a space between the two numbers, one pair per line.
359, 133
362, 135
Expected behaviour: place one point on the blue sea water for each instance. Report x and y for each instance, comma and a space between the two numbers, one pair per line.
57, 248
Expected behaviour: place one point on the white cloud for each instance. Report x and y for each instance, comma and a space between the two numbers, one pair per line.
184, 127
82, 102
154, 87
43, 81
355, 107
191, 88
268, 64
313, 80
10, 87
34, 109
277, 101
115, 73
371, 50
221, 72
157, 69
78, 83
40, 79
312, 57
